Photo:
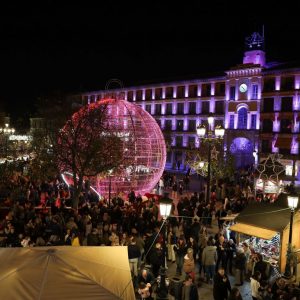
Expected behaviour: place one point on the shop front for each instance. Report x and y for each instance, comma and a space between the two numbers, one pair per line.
265, 227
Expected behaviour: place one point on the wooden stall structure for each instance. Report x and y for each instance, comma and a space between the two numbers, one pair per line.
265, 220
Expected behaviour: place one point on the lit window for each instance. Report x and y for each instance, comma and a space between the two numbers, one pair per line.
289, 170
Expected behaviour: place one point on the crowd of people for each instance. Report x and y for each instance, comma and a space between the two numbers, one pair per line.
40, 216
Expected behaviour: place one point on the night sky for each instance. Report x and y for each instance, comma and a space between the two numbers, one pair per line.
69, 47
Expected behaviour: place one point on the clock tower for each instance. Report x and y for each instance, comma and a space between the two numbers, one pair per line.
255, 50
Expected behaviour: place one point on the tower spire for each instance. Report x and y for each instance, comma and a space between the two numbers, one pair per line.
255, 48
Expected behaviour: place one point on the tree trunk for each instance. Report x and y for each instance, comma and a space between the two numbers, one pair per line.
77, 190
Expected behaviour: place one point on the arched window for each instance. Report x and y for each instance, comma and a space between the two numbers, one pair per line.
242, 118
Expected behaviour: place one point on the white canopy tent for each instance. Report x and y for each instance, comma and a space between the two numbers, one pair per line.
65, 273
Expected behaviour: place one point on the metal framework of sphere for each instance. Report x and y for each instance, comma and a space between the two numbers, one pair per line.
143, 146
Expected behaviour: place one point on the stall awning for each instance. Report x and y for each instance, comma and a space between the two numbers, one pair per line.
262, 233
229, 217
284, 143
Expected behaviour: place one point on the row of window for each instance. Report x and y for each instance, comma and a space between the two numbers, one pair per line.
266, 147
285, 83
285, 105
285, 126
178, 92
191, 142
192, 124
179, 108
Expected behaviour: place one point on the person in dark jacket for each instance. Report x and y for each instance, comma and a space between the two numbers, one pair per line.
230, 252
133, 254
189, 289
240, 263
235, 294
156, 259
146, 277
93, 238
180, 250
221, 285
261, 266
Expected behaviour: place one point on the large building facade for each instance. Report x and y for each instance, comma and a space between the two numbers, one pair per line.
256, 102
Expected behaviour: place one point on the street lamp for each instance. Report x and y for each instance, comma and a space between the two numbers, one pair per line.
7, 131
210, 137
165, 205
292, 203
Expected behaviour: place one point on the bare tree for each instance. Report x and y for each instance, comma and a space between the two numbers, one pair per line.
88, 145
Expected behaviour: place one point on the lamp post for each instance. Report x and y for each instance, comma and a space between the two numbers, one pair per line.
165, 206
7, 131
292, 203
210, 137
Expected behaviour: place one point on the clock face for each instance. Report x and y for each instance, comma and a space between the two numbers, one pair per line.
243, 88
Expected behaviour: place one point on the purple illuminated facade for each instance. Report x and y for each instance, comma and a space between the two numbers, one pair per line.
257, 102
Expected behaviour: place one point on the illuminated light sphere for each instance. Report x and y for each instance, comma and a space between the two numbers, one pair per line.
143, 147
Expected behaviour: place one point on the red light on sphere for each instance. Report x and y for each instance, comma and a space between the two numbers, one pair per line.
143, 146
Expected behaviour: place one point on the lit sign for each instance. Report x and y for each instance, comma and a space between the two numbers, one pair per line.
20, 137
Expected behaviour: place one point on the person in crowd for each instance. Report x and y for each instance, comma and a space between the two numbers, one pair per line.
209, 259
221, 251
261, 266
133, 256
180, 250
193, 245
221, 286
189, 289
240, 263
156, 259
279, 289
114, 239
93, 238
230, 253
189, 263
255, 286
174, 190
170, 245
235, 294
140, 243
75, 239
68, 238
146, 278
144, 291
247, 252
202, 243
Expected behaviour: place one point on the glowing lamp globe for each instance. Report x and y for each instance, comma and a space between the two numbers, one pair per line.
144, 150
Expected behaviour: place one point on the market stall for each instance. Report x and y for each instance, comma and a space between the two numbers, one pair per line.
266, 228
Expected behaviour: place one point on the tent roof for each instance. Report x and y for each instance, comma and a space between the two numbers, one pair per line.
268, 216
65, 273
